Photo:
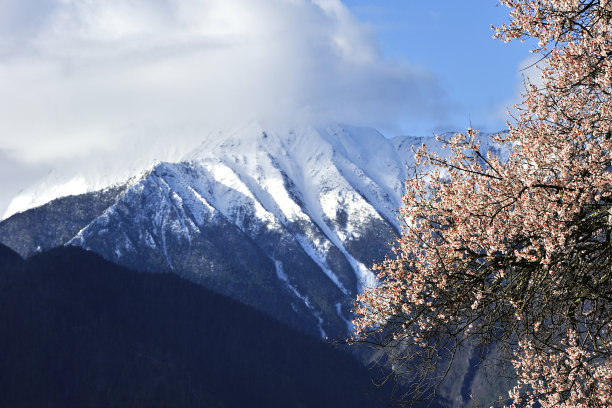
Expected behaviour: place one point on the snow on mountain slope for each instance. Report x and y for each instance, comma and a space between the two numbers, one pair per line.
287, 220
329, 194
312, 177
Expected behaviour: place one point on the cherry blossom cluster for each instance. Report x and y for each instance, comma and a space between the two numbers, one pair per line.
517, 253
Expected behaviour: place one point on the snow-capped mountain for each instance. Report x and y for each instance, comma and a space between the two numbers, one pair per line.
288, 221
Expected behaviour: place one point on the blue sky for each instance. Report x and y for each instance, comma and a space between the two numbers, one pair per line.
95, 90
453, 41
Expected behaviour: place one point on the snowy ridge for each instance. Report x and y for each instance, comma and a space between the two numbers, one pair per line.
310, 175
315, 206
319, 189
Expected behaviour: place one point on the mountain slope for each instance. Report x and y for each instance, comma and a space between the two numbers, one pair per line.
53, 224
287, 220
81, 331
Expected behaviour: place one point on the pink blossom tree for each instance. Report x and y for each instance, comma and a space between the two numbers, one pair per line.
514, 254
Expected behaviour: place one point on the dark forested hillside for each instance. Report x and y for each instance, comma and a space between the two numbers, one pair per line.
80, 331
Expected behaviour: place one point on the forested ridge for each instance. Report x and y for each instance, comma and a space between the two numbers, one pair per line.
81, 331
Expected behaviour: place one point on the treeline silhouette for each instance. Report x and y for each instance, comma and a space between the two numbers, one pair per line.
77, 330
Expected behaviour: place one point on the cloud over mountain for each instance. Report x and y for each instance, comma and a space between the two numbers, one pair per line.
93, 87
83, 76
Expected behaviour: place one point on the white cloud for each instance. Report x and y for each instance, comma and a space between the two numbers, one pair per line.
90, 78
